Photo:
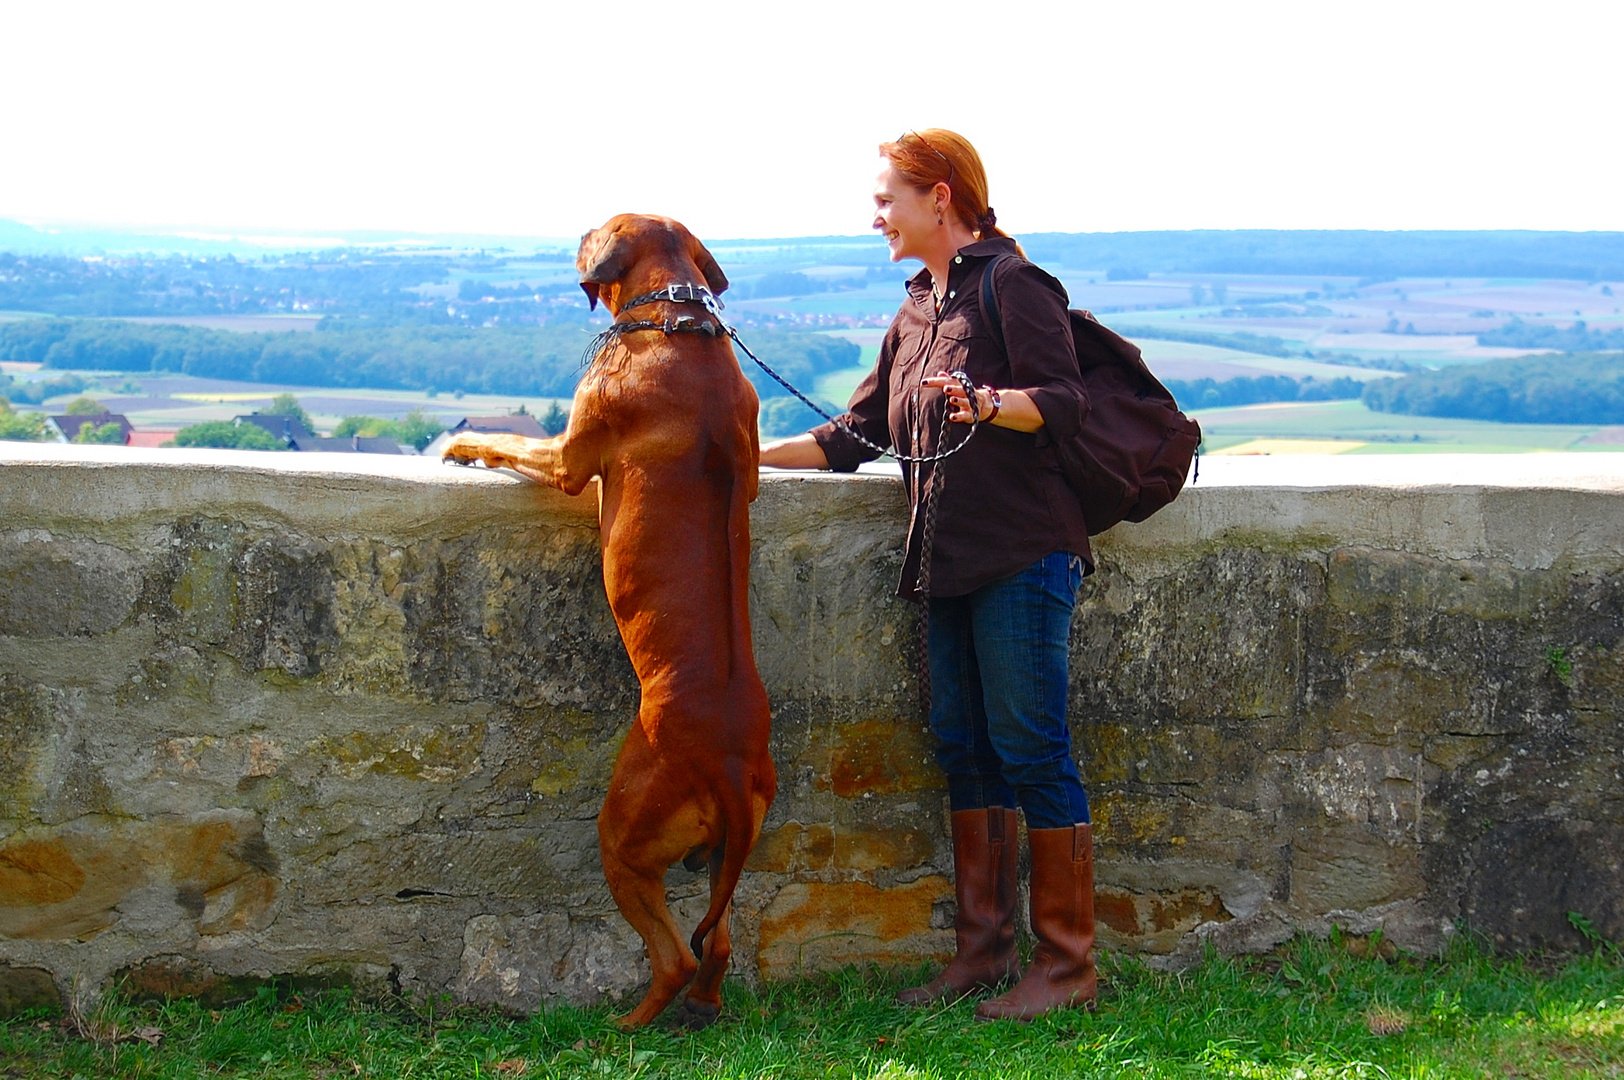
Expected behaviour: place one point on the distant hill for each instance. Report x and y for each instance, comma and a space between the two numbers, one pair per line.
81, 240
1583, 256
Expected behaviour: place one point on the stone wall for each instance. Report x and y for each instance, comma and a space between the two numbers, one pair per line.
344, 719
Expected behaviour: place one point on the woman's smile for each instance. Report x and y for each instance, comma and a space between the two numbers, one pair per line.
903, 214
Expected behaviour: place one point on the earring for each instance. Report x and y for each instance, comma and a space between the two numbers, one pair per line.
939, 220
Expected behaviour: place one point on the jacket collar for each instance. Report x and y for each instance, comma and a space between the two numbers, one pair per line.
919, 284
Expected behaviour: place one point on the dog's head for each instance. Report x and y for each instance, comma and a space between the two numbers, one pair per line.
610, 253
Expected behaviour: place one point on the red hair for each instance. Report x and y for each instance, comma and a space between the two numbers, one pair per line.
938, 156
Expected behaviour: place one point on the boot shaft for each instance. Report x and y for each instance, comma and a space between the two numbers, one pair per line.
1062, 886
985, 848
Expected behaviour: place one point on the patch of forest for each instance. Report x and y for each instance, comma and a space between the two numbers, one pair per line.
533, 360
180, 285
1573, 388
1517, 334
383, 286
1256, 390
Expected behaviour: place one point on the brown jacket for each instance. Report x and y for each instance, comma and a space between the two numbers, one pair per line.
1004, 503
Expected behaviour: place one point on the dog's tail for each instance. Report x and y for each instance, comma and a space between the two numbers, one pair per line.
738, 827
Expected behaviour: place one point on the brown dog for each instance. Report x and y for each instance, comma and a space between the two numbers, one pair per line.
667, 422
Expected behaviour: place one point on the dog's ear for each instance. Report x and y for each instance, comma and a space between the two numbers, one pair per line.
715, 280
601, 261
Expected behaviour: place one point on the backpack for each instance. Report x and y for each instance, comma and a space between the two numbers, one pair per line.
1134, 450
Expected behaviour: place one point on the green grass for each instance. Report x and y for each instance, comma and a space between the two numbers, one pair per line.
1386, 433
837, 386
1314, 1010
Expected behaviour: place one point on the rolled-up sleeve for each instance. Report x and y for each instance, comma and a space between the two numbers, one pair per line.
1042, 356
866, 414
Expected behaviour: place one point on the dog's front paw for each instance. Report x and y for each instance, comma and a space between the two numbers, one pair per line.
467, 448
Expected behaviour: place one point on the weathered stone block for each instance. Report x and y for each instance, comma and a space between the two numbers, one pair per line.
814, 926
73, 882
25, 988
793, 848
54, 586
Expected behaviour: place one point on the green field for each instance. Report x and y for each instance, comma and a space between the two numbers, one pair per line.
159, 402
1388, 433
148, 402
837, 386
1346, 421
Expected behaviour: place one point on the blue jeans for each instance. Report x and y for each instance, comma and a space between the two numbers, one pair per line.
998, 694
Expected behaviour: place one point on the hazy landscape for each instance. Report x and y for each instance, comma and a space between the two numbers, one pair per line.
1278, 341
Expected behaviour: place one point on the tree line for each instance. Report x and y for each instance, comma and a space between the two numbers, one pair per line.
544, 361
1517, 334
178, 285
1256, 390
1577, 388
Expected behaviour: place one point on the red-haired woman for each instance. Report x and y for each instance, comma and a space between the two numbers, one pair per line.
1008, 554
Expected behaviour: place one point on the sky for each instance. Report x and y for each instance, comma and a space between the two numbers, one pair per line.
762, 119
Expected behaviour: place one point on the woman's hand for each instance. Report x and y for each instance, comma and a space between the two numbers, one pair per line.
1016, 410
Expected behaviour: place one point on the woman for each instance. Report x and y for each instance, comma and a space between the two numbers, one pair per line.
1008, 553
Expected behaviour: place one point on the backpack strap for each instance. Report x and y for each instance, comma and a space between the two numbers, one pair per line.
989, 303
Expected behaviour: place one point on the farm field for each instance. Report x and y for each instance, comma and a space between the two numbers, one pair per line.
1426, 322
1169, 360
167, 402
241, 323
1349, 427
164, 402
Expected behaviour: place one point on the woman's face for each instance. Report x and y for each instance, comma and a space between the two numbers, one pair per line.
905, 216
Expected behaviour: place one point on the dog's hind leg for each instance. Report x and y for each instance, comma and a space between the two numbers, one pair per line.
704, 1002
640, 895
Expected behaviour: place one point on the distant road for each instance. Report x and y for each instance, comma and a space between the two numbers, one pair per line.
243, 324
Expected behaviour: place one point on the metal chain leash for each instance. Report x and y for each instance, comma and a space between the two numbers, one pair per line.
687, 293
926, 501
964, 380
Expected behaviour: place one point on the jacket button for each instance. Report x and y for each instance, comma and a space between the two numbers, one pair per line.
958, 258
951, 294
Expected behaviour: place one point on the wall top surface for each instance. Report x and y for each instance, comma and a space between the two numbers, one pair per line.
1600, 471
1530, 510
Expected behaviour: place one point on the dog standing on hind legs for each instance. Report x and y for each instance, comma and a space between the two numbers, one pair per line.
666, 421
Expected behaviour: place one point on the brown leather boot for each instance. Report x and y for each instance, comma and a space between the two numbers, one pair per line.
1062, 972
984, 850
